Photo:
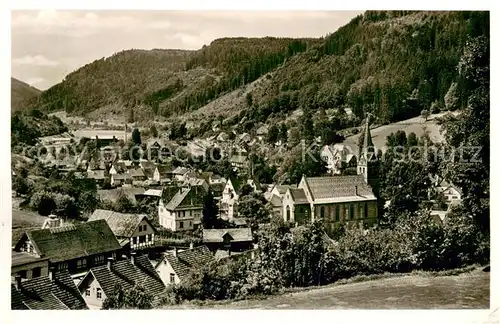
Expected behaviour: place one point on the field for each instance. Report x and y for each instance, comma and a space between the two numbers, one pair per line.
415, 291
416, 125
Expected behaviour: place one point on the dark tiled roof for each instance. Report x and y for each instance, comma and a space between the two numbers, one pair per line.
168, 193
19, 258
298, 196
42, 293
189, 259
283, 188
275, 201
122, 225
186, 197
147, 165
136, 172
126, 274
180, 171
74, 241
338, 186
164, 170
236, 234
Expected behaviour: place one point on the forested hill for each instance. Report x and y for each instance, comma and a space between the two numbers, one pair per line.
20, 92
168, 82
392, 64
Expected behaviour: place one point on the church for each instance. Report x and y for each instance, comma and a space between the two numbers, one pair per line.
336, 199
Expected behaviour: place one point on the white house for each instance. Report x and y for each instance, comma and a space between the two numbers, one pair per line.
183, 211
176, 265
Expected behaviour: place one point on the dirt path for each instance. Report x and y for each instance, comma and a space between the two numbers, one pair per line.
471, 290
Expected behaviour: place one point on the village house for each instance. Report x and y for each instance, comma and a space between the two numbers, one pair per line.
162, 174
238, 161
179, 173
222, 137
230, 196
27, 266
276, 205
280, 190
262, 132
196, 182
73, 247
133, 231
137, 175
231, 239
52, 291
99, 282
338, 157
244, 138
175, 266
120, 179
451, 193
337, 199
183, 211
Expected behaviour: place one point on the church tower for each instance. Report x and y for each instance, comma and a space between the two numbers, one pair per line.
367, 154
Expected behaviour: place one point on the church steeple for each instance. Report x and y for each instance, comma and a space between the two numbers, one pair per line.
366, 152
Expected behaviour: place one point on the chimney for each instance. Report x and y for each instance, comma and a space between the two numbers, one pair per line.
17, 282
191, 246
110, 263
132, 257
355, 190
51, 273
175, 251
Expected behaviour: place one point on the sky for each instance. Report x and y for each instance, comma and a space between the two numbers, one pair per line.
47, 44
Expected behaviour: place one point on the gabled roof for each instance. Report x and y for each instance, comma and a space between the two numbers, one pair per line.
168, 193
187, 260
298, 196
20, 258
276, 201
96, 174
153, 193
164, 170
339, 187
236, 183
283, 188
180, 171
186, 197
147, 165
122, 225
43, 294
115, 194
73, 241
126, 274
121, 176
236, 235
262, 130
136, 172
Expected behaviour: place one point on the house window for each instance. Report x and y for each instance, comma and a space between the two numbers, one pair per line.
134, 240
36, 272
337, 213
322, 212
150, 237
181, 224
454, 197
142, 239
99, 259
172, 278
366, 210
87, 292
99, 293
140, 228
346, 212
190, 224
62, 266
361, 211
23, 274
351, 212
81, 263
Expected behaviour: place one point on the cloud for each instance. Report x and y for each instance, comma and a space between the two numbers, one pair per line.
74, 23
34, 81
37, 60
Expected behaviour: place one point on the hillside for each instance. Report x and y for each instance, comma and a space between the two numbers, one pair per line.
20, 92
166, 82
391, 64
